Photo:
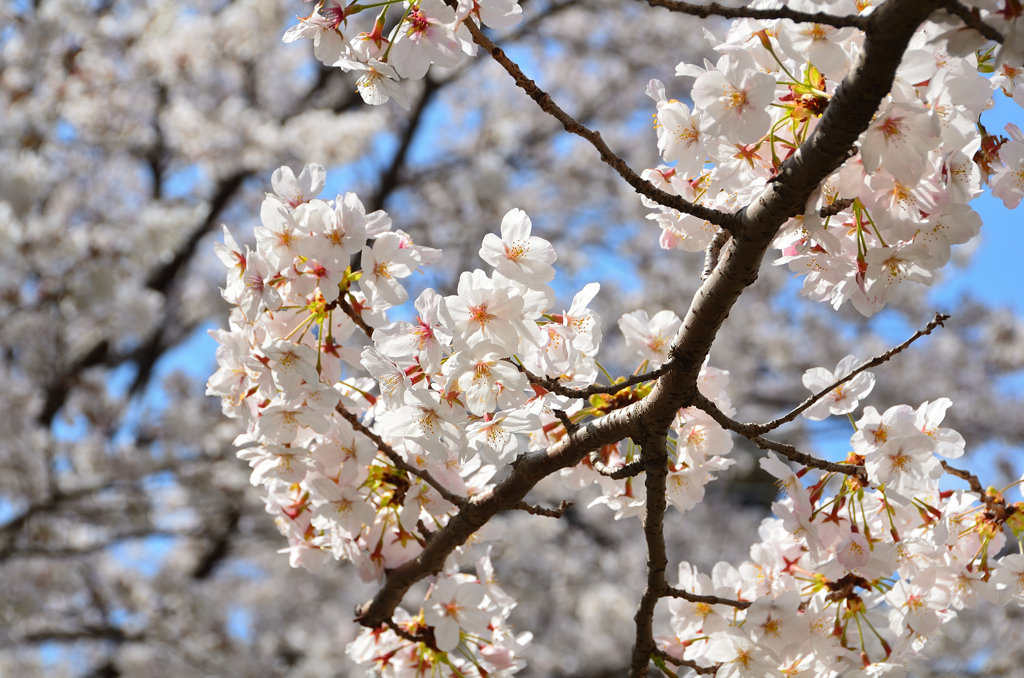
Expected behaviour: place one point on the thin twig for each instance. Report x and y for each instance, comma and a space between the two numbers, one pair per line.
555, 386
399, 631
972, 19
994, 503
573, 126
356, 317
397, 460
566, 421
715, 9
710, 600
541, 511
688, 663
788, 451
757, 429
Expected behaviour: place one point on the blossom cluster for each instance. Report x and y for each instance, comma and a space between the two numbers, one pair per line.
369, 433
893, 210
365, 450
428, 32
853, 576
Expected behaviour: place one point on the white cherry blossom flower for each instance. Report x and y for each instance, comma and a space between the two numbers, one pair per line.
844, 398
735, 96
650, 337
517, 254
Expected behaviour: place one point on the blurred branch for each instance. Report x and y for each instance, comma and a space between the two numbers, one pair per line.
972, 19
715, 9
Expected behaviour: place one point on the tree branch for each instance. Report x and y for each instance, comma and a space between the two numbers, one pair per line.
356, 317
757, 429
855, 102
555, 386
633, 468
672, 592
787, 451
480, 508
541, 511
400, 463
573, 126
972, 19
715, 9
654, 454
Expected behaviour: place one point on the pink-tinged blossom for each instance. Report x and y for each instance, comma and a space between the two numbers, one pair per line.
874, 430
455, 607
948, 443
818, 44
650, 337
735, 96
383, 265
328, 41
483, 311
495, 437
335, 234
426, 37
776, 622
955, 225
889, 266
256, 291
584, 322
291, 364
518, 255
392, 378
904, 465
1008, 179
426, 419
338, 508
740, 656
277, 462
1008, 579
844, 398
279, 236
422, 339
480, 373
280, 421
854, 551
294, 190
915, 605
379, 84
899, 140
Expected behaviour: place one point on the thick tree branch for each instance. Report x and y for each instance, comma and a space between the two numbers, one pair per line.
856, 100
573, 126
479, 509
654, 453
715, 9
